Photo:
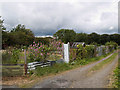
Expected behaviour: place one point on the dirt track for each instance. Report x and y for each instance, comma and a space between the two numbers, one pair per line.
79, 78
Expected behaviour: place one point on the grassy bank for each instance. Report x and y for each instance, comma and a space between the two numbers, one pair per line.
116, 76
103, 63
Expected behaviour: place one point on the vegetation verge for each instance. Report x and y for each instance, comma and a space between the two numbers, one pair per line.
103, 63
116, 76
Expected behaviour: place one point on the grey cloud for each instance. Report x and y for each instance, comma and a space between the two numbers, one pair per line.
47, 18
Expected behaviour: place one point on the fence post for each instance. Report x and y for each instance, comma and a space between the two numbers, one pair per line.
25, 65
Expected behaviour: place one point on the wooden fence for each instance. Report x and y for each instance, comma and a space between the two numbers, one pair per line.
12, 69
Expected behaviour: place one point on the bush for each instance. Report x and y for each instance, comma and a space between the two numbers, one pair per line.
11, 57
39, 51
15, 55
112, 45
85, 52
90, 51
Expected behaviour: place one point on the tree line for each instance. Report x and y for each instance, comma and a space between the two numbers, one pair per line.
67, 35
20, 36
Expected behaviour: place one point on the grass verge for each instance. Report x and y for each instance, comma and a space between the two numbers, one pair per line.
103, 63
116, 75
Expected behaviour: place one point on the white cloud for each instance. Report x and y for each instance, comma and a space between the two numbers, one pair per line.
111, 28
45, 18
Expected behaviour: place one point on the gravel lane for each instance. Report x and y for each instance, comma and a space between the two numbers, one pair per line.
79, 78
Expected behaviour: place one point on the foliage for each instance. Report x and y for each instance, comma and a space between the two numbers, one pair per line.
111, 45
38, 52
94, 43
65, 35
72, 54
15, 55
11, 56
6, 57
56, 45
81, 52
116, 83
81, 37
93, 37
104, 38
90, 50
43, 40
17, 37
85, 52
1, 24
104, 51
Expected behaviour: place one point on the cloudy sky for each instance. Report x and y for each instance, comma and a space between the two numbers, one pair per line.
45, 18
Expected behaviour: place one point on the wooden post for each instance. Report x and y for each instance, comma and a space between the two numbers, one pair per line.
25, 65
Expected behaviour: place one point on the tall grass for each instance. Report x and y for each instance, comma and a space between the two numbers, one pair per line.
116, 83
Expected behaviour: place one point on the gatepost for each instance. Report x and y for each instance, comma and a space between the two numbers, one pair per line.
66, 52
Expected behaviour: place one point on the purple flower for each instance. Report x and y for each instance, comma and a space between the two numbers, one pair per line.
41, 54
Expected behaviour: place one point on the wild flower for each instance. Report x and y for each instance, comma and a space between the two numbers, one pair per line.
41, 54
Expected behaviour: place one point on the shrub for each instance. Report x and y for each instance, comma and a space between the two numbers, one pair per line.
39, 51
90, 51
85, 52
11, 56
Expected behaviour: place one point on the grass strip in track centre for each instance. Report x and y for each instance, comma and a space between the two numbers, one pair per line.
101, 64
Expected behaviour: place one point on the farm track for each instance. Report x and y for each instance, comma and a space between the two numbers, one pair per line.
80, 78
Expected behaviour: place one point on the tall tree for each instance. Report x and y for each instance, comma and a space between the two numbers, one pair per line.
104, 38
81, 37
19, 35
3, 34
1, 24
65, 35
93, 37
115, 38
